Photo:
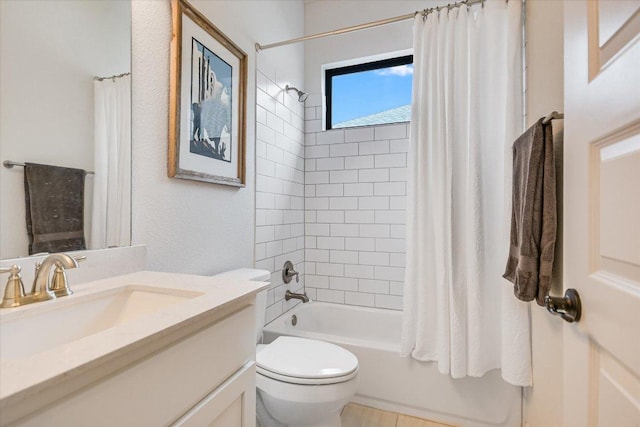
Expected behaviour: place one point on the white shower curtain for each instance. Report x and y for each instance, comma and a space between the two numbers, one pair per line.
458, 310
111, 210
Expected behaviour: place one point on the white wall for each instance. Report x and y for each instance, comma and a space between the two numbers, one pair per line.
543, 402
189, 226
51, 51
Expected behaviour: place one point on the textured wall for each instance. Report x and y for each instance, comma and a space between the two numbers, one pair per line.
188, 226
279, 183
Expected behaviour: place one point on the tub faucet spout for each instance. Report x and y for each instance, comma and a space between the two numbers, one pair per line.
302, 297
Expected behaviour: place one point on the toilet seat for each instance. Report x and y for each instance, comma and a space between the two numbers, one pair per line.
305, 381
306, 362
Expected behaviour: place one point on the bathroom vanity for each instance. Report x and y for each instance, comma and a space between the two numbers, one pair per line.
143, 349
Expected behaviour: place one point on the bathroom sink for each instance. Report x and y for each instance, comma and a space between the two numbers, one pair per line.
44, 326
69, 357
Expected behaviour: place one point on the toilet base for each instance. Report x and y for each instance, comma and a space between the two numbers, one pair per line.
293, 405
264, 419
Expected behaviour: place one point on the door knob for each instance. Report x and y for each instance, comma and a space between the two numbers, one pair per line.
567, 307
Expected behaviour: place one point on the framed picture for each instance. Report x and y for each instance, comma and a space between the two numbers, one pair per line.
207, 101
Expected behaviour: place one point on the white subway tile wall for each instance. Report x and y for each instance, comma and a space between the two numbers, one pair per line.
355, 197
280, 189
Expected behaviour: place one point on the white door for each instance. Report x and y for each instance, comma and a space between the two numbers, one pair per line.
602, 212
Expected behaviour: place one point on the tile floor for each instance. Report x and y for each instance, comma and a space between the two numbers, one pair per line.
354, 415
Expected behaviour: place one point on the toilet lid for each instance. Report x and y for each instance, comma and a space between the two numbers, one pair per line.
306, 358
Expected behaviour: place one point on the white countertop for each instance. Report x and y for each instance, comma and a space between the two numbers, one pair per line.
22, 378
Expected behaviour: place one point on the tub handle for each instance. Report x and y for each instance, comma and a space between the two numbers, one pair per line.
288, 272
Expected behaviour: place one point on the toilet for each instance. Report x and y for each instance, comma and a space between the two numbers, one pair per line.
300, 382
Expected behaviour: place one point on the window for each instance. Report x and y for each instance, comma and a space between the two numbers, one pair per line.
373, 93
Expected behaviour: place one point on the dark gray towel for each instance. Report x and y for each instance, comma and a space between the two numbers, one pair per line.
534, 215
54, 208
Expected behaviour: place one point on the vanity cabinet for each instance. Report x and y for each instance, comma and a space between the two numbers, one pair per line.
202, 378
231, 404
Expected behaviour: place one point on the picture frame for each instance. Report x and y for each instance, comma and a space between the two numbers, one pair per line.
207, 101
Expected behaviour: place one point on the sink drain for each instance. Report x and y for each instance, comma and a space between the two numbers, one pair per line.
294, 320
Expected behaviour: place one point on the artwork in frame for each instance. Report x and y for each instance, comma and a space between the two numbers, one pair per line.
208, 81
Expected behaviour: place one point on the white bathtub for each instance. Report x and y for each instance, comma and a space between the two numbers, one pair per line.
390, 382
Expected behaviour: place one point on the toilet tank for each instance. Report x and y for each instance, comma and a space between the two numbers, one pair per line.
254, 275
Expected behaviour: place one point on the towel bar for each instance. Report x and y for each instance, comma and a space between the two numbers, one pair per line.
9, 164
552, 116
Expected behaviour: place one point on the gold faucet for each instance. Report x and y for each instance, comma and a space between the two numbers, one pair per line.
42, 289
14, 291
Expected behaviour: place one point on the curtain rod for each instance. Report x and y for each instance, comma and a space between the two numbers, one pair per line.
424, 13
9, 164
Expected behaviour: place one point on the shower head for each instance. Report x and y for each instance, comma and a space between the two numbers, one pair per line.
302, 96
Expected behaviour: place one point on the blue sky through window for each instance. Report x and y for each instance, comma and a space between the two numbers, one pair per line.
365, 93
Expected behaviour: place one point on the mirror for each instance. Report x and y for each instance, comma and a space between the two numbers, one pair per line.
51, 53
